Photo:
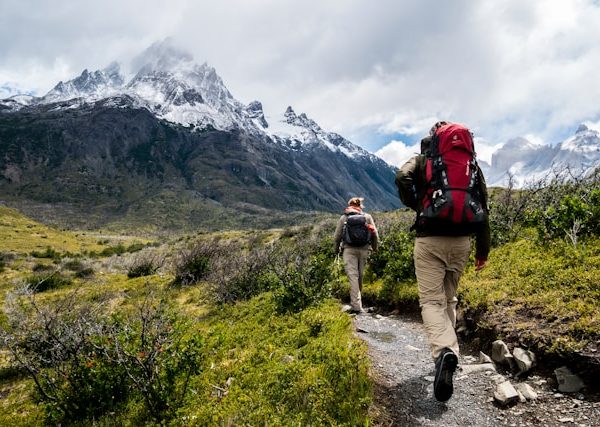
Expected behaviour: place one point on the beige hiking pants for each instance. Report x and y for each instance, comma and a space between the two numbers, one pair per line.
355, 259
439, 263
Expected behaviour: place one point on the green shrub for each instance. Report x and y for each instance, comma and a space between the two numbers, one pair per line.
393, 260
113, 250
85, 365
48, 253
74, 265
44, 281
145, 265
304, 283
85, 273
37, 268
192, 270
135, 247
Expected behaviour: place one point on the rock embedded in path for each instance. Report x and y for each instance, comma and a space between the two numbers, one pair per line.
525, 359
527, 391
567, 381
482, 367
506, 394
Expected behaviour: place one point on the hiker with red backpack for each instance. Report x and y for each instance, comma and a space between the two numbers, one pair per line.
446, 188
354, 235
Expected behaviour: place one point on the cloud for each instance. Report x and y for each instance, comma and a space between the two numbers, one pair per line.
505, 69
397, 153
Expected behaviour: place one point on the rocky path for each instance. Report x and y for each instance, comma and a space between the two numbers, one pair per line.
403, 371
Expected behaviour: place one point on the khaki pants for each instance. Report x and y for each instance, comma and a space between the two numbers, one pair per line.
439, 263
355, 259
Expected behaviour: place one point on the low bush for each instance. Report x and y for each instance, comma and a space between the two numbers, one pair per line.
85, 364
193, 263
144, 265
304, 282
47, 280
49, 252
85, 273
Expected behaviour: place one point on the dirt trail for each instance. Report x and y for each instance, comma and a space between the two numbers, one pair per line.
403, 371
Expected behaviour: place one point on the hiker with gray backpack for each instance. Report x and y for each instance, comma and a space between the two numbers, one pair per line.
354, 235
446, 188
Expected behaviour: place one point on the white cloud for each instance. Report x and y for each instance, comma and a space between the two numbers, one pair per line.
505, 69
397, 153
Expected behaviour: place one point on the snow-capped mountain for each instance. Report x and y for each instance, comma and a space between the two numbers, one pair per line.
89, 86
528, 162
170, 141
173, 87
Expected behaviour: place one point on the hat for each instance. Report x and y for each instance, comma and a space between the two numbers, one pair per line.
436, 126
356, 201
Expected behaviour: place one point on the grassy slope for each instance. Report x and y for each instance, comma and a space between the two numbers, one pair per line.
546, 295
21, 235
306, 367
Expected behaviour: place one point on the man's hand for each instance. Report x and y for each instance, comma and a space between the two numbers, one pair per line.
480, 263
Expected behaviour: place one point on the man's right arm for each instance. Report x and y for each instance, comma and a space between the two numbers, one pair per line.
406, 182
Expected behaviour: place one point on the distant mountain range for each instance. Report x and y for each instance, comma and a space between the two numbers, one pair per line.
172, 146
528, 162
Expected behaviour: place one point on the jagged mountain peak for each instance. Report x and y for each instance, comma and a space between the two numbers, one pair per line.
96, 84
585, 140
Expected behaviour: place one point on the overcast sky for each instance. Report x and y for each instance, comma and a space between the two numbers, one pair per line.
379, 72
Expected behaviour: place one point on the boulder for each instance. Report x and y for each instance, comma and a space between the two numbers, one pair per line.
501, 354
525, 359
567, 381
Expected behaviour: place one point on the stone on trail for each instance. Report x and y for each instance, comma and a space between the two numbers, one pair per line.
482, 367
527, 391
506, 394
501, 353
484, 358
567, 381
525, 359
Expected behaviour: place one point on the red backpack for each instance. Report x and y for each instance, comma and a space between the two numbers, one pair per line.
452, 179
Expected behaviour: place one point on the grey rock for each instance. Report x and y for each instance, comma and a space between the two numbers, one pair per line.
567, 381
506, 394
527, 391
501, 353
484, 358
525, 359
470, 369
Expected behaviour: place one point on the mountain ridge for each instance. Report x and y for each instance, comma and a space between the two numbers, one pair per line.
113, 146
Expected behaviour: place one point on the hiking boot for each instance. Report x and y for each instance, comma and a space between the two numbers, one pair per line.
445, 365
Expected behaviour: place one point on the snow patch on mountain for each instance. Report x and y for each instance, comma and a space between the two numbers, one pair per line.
529, 161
